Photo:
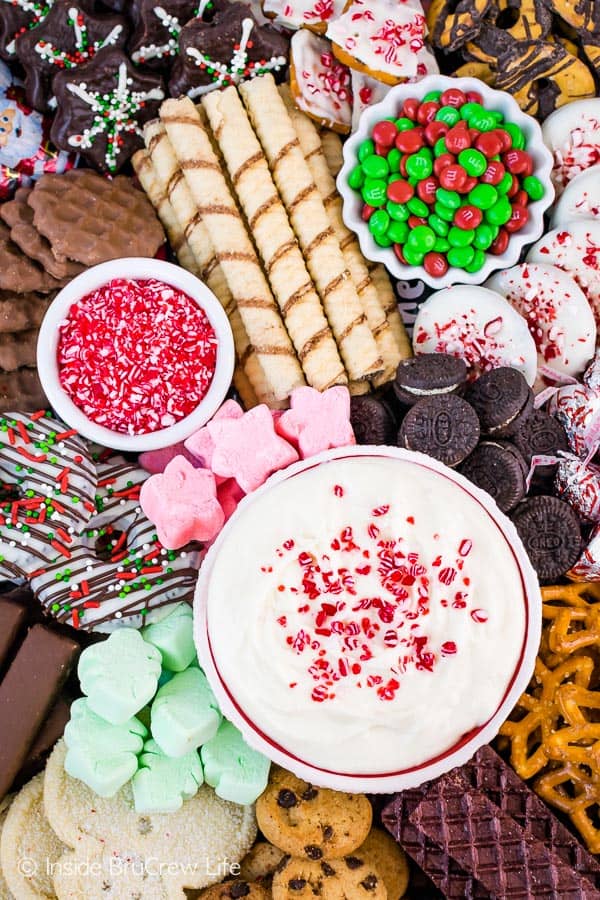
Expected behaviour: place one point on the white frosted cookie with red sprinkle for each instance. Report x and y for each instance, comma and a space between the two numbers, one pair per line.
320, 83
580, 199
572, 134
295, 14
560, 318
576, 249
382, 38
477, 325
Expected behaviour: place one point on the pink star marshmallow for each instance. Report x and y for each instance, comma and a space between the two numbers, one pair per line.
248, 449
182, 504
201, 444
317, 421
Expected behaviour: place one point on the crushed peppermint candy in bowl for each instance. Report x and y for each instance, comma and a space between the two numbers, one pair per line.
136, 354
356, 577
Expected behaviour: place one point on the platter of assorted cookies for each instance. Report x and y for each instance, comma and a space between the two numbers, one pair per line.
299, 450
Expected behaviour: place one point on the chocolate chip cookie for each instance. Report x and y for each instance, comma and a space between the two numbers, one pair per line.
350, 878
309, 822
260, 863
234, 890
381, 851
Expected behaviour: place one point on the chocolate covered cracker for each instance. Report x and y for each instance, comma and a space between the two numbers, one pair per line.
69, 36
21, 388
231, 48
18, 273
102, 106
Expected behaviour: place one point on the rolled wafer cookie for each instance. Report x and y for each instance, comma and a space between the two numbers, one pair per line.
173, 183
332, 151
310, 222
234, 249
291, 283
147, 177
243, 386
359, 388
310, 144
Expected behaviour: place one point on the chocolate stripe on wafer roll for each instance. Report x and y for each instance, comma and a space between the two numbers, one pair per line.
310, 144
332, 151
27, 694
528, 849
147, 177
173, 181
311, 224
20, 312
264, 326
290, 281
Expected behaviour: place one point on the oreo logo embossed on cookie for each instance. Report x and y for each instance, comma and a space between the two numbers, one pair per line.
500, 398
551, 535
498, 469
444, 427
428, 375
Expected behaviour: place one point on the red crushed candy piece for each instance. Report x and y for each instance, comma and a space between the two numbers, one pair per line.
136, 355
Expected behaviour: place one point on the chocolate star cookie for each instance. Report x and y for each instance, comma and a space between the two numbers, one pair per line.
230, 49
102, 106
156, 36
17, 17
69, 36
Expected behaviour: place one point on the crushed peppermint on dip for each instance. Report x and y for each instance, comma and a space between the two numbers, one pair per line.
136, 355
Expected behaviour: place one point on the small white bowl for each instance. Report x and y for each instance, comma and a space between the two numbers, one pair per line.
134, 268
389, 106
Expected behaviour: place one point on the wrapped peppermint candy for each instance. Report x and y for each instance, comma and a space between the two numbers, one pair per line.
25, 148
587, 567
578, 483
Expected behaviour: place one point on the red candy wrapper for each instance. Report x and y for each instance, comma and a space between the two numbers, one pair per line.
578, 484
25, 148
587, 567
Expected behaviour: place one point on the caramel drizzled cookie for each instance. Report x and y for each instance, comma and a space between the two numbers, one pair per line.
350, 878
231, 48
102, 106
69, 36
311, 823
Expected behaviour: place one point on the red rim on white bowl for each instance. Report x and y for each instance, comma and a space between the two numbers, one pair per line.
210, 641
389, 106
134, 268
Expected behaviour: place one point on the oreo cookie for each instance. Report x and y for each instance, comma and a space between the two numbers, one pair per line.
502, 399
372, 421
429, 375
499, 470
551, 534
540, 435
445, 427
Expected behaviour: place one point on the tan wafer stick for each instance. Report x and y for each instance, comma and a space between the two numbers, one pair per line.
310, 144
175, 187
147, 177
292, 286
235, 252
332, 150
357, 388
309, 220
244, 388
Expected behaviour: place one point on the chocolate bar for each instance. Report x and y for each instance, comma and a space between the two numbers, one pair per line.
27, 694
480, 832
12, 621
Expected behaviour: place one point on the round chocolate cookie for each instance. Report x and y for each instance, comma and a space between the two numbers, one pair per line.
372, 421
539, 435
500, 470
501, 398
445, 427
551, 534
428, 375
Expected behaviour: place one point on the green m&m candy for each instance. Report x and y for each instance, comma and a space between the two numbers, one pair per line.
375, 167
398, 211
448, 114
374, 191
518, 138
483, 196
356, 178
500, 212
397, 232
393, 159
461, 237
412, 256
477, 262
533, 187
379, 222
404, 124
460, 257
484, 236
439, 148
441, 245
366, 148
432, 96
470, 109
419, 165
417, 207
382, 239
422, 238
444, 212
505, 185
472, 161
450, 199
